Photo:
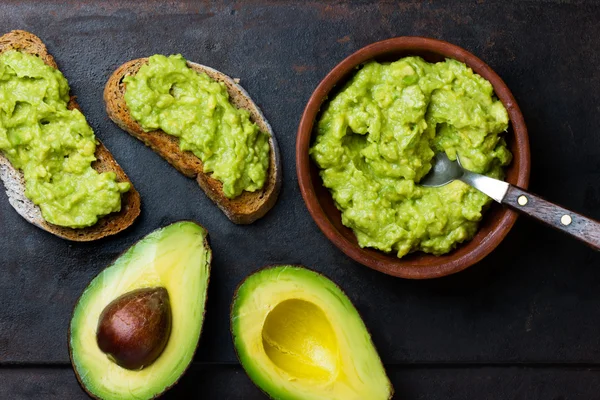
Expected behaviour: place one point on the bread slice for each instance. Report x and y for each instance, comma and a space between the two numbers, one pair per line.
14, 181
244, 209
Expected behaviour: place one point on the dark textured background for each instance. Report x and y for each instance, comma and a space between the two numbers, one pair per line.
523, 323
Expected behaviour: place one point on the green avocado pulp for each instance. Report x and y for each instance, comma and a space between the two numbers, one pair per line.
52, 145
376, 139
299, 337
176, 258
166, 94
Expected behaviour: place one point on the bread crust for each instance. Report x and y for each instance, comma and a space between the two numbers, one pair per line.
14, 181
244, 209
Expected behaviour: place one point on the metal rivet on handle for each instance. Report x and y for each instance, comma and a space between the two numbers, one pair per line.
566, 220
522, 200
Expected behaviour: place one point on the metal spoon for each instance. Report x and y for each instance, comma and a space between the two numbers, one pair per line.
445, 171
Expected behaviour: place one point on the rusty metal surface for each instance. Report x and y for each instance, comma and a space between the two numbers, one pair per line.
534, 301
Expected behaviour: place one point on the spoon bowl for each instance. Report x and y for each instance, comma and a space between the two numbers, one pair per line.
443, 171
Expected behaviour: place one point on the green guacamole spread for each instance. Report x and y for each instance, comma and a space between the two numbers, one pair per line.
52, 145
166, 94
376, 139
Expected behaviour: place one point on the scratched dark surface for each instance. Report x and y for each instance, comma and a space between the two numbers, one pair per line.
522, 324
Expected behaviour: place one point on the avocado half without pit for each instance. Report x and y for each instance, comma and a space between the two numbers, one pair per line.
298, 336
136, 326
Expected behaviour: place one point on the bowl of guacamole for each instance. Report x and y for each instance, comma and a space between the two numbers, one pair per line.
368, 135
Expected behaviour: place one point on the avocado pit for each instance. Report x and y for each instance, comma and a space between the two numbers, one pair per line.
133, 330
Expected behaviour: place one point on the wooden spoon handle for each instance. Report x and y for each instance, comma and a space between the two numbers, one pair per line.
583, 228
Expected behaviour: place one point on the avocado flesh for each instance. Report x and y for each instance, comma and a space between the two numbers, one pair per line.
298, 336
177, 258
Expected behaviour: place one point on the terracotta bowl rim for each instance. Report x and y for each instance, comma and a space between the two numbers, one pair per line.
417, 265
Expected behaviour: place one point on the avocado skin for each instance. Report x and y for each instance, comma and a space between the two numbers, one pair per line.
232, 310
208, 262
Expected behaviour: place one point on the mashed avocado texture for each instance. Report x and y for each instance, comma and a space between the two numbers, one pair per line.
376, 139
52, 145
166, 94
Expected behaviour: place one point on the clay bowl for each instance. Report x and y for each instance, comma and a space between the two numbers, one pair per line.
497, 221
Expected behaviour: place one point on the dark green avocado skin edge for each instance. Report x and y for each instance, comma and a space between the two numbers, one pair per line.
272, 266
208, 262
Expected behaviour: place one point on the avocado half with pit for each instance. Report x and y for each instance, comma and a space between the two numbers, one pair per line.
136, 326
298, 336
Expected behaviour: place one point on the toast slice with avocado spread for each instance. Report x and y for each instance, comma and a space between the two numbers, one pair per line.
244, 208
14, 180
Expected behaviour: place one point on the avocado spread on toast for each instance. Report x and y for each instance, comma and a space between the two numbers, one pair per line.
53, 146
167, 94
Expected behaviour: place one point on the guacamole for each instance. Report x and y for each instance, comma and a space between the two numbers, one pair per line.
166, 94
52, 145
376, 139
